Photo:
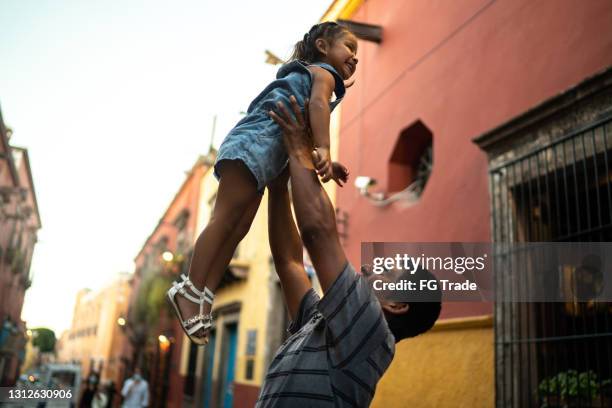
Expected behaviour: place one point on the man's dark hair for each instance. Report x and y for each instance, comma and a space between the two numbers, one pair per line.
422, 312
306, 50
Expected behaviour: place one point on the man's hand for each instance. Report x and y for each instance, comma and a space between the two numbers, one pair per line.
296, 134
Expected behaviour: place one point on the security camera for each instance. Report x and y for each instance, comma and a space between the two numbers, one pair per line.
363, 183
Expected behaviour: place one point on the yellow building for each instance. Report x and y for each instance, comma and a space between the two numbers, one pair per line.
94, 337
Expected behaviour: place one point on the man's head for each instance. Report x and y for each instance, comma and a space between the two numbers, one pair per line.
407, 316
137, 374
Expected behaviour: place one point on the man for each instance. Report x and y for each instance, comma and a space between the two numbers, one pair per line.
135, 391
91, 387
341, 344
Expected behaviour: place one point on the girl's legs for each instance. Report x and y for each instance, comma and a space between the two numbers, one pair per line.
237, 203
227, 251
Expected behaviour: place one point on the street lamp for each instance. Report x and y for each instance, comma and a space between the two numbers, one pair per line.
164, 342
137, 337
168, 256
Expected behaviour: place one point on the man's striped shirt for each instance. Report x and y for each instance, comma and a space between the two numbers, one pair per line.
339, 348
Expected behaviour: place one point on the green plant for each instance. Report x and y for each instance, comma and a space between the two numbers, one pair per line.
151, 298
571, 384
44, 339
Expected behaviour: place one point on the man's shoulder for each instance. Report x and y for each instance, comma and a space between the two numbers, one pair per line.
353, 316
349, 284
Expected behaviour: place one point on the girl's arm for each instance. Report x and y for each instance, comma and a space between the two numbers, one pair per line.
320, 95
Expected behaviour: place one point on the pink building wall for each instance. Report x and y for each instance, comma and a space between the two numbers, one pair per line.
461, 68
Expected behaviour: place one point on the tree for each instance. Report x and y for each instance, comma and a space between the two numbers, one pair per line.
44, 339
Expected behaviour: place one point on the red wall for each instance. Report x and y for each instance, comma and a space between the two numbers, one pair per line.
462, 68
245, 395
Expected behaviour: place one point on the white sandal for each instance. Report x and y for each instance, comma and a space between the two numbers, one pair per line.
199, 321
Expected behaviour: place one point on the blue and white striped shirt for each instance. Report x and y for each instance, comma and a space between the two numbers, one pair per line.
339, 349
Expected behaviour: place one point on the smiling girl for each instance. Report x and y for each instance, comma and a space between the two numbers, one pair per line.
253, 154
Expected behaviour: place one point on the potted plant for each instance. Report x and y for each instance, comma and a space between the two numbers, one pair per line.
572, 389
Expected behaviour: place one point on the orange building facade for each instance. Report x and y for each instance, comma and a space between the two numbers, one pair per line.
94, 338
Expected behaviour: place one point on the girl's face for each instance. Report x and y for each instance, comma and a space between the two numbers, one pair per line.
341, 55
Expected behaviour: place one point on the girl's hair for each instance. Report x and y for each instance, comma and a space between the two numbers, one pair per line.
306, 49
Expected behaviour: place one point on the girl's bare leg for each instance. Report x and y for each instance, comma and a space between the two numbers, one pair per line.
237, 203
227, 251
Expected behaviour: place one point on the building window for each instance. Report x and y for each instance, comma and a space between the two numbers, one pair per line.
411, 160
250, 369
551, 180
180, 222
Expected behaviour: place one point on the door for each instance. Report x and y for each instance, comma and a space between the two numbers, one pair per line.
208, 369
229, 362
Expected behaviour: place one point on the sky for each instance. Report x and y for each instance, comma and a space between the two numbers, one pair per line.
114, 100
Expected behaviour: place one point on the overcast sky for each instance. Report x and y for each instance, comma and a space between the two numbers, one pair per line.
114, 101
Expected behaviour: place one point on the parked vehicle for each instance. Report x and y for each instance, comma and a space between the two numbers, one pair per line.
64, 378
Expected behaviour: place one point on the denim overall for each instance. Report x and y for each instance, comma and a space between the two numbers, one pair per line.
257, 139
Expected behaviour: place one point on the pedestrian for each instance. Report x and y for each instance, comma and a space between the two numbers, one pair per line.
253, 154
100, 398
342, 343
111, 391
135, 391
89, 392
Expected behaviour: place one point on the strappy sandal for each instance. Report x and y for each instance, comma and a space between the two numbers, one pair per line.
199, 321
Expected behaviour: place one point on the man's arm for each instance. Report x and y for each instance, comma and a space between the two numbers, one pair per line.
127, 388
145, 397
314, 212
286, 245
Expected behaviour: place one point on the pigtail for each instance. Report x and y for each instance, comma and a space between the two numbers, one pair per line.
299, 50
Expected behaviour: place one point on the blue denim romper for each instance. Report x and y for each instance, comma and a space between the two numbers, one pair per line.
257, 139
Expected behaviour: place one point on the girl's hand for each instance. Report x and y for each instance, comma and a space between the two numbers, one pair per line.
340, 174
322, 163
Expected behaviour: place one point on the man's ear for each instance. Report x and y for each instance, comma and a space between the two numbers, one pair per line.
396, 308
321, 45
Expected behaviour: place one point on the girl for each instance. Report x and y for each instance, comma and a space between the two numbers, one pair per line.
253, 154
